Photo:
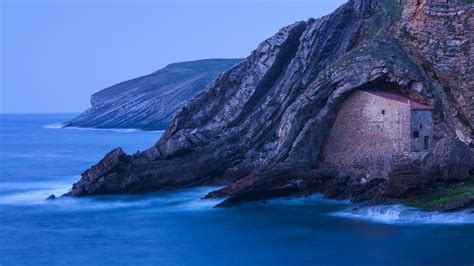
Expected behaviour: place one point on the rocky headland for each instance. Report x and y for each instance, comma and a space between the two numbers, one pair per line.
150, 102
259, 128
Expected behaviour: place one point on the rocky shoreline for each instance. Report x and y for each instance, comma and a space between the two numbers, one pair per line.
283, 182
259, 128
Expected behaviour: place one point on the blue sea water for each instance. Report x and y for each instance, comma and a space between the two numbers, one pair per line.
38, 158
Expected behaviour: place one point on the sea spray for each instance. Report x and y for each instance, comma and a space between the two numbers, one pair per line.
35, 193
398, 214
119, 130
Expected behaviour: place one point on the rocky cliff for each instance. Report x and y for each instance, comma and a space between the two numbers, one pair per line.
260, 127
150, 102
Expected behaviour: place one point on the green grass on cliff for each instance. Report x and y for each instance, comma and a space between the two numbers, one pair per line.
432, 200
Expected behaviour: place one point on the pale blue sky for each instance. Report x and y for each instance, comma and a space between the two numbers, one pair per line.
55, 54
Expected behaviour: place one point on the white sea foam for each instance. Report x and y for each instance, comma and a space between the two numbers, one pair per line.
398, 214
120, 130
192, 199
7, 186
30, 193
181, 200
31, 197
35, 193
54, 126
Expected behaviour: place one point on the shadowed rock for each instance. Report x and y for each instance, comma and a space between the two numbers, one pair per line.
51, 197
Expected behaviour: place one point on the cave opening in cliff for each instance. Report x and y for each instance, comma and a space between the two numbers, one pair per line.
373, 124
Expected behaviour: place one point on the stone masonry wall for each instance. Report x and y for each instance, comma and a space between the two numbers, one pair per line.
367, 125
421, 122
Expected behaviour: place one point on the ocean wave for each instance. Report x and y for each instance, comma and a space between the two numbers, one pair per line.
181, 200
399, 214
35, 193
120, 130
192, 199
6, 186
31, 197
54, 126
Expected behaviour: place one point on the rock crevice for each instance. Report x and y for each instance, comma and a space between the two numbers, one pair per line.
259, 128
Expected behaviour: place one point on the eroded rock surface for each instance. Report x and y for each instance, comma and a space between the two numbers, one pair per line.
260, 127
150, 102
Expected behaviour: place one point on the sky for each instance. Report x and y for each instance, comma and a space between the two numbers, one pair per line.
55, 54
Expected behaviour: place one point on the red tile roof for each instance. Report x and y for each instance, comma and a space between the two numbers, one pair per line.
396, 96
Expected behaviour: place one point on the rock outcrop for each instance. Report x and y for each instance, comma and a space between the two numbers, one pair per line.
150, 102
259, 128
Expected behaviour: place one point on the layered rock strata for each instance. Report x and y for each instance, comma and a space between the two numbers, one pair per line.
150, 102
260, 127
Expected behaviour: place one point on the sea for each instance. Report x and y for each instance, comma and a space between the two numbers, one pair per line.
39, 158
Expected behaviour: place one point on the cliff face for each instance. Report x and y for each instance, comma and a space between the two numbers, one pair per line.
260, 127
150, 102
440, 34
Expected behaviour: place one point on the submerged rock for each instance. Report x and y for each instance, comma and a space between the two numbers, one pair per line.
51, 197
259, 128
457, 205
